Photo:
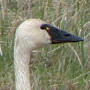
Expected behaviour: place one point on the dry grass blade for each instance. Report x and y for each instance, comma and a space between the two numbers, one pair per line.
72, 48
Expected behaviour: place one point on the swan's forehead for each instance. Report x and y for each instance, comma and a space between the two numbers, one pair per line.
36, 22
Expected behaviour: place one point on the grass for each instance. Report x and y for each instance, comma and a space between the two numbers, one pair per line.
56, 67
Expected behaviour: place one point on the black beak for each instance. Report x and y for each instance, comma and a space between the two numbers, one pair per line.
60, 36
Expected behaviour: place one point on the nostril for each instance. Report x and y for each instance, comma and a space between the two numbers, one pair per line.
67, 35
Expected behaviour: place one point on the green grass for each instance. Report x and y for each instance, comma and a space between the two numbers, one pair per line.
56, 67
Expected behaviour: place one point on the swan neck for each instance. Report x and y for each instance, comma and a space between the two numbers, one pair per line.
21, 66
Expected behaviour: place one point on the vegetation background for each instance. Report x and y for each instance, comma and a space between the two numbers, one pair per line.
55, 67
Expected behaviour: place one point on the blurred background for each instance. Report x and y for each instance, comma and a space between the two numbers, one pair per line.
55, 67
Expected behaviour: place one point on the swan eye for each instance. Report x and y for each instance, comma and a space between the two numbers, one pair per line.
45, 27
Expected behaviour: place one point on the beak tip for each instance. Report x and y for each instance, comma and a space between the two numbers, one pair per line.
81, 39
78, 39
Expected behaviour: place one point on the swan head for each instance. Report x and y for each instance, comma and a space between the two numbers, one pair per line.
34, 33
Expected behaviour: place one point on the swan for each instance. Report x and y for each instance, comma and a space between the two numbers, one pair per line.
30, 35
